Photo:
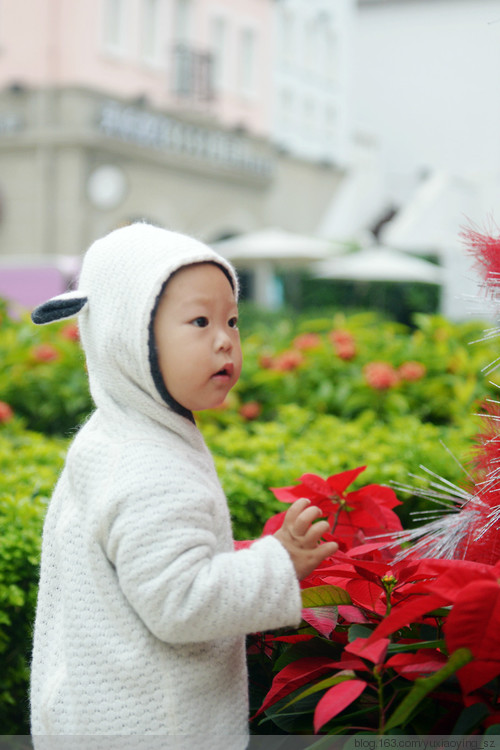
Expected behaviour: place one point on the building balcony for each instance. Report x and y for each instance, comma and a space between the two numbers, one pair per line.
192, 74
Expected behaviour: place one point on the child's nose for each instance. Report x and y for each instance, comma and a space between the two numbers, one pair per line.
224, 342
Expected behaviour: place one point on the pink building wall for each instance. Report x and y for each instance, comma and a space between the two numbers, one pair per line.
61, 42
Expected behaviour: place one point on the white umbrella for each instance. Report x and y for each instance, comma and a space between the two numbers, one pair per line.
274, 245
264, 250
379, 264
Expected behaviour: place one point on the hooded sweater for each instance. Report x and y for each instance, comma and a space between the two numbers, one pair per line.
143, 603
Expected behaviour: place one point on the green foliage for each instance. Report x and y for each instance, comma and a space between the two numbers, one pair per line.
43, 376
29, 464
252, 457
326, 382
319, 415
396, 300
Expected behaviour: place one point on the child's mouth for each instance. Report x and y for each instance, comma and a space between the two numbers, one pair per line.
225, 372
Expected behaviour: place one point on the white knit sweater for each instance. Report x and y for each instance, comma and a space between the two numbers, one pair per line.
143, 604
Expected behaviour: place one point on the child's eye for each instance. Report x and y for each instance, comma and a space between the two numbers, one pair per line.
200, 322
233, 323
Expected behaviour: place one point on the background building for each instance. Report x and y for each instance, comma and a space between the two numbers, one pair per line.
114, 110
425, 121
312, 66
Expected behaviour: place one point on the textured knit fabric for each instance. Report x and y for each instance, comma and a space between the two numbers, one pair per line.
143, 603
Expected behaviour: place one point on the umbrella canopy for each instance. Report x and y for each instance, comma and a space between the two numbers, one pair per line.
274, 245
379, 264
265, 250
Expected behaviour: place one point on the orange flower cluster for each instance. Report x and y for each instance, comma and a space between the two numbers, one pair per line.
343, 344
44, 353
287, 360
250, 410
307, 341
382, 375
70, 332
411, 371
6, 412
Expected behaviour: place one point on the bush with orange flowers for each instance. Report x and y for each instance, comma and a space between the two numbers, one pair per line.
43, 378
303, 404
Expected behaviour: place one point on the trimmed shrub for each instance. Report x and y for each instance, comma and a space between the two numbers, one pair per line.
29, 464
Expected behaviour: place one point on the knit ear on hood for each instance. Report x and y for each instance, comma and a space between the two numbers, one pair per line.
63, 306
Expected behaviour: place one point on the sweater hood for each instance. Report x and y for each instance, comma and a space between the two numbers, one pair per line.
122, 277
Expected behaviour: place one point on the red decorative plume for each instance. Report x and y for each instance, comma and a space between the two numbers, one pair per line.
469, 527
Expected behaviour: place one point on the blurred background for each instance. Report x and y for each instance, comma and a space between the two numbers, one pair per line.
334, 148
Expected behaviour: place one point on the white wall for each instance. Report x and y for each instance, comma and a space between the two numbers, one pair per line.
426, 79
312, 74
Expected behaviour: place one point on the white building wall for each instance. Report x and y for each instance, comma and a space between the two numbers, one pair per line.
426, 77
312, 78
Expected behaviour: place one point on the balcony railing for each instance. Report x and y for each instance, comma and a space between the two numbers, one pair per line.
193, 74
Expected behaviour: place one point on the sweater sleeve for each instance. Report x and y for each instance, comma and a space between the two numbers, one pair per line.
164, 548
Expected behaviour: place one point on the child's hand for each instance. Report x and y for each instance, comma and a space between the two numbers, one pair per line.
300, 537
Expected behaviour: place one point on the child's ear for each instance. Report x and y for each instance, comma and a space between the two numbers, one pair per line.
63, 306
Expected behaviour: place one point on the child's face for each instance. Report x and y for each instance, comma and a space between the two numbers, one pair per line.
197, 337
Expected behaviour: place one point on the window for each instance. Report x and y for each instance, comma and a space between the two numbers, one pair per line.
287, 36
114, 26
218, 48
286, 112
247, 60
151, 27
330, 54
183, 21
330, 129
311, 31
309, 118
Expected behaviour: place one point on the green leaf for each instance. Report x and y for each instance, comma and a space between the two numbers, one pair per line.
470, 718
324, 596
321, 685
423, 686
358, 631
398, 648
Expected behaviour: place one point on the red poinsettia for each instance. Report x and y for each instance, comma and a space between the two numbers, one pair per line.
473, 622
373, 585
353, 516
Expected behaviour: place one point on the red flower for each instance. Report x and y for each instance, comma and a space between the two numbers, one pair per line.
346, 351
266, 361
6, 412
421, 664
411, 371
339, 336
288, 360
474, 621
307, 341
352, 515
70, 332
344, 344
250, 410
44, 353
381, 375
373, 585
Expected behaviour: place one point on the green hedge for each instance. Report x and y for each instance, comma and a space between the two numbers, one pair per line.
287, 360
29, 465
251, 458
43, 375
299, 407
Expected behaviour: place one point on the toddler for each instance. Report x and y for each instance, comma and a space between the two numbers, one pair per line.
143, 603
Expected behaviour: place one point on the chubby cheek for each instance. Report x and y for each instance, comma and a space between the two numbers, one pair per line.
238, 366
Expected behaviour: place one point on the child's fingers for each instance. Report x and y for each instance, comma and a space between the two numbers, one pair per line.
305, 519
325, 550
315, 532
296, 509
